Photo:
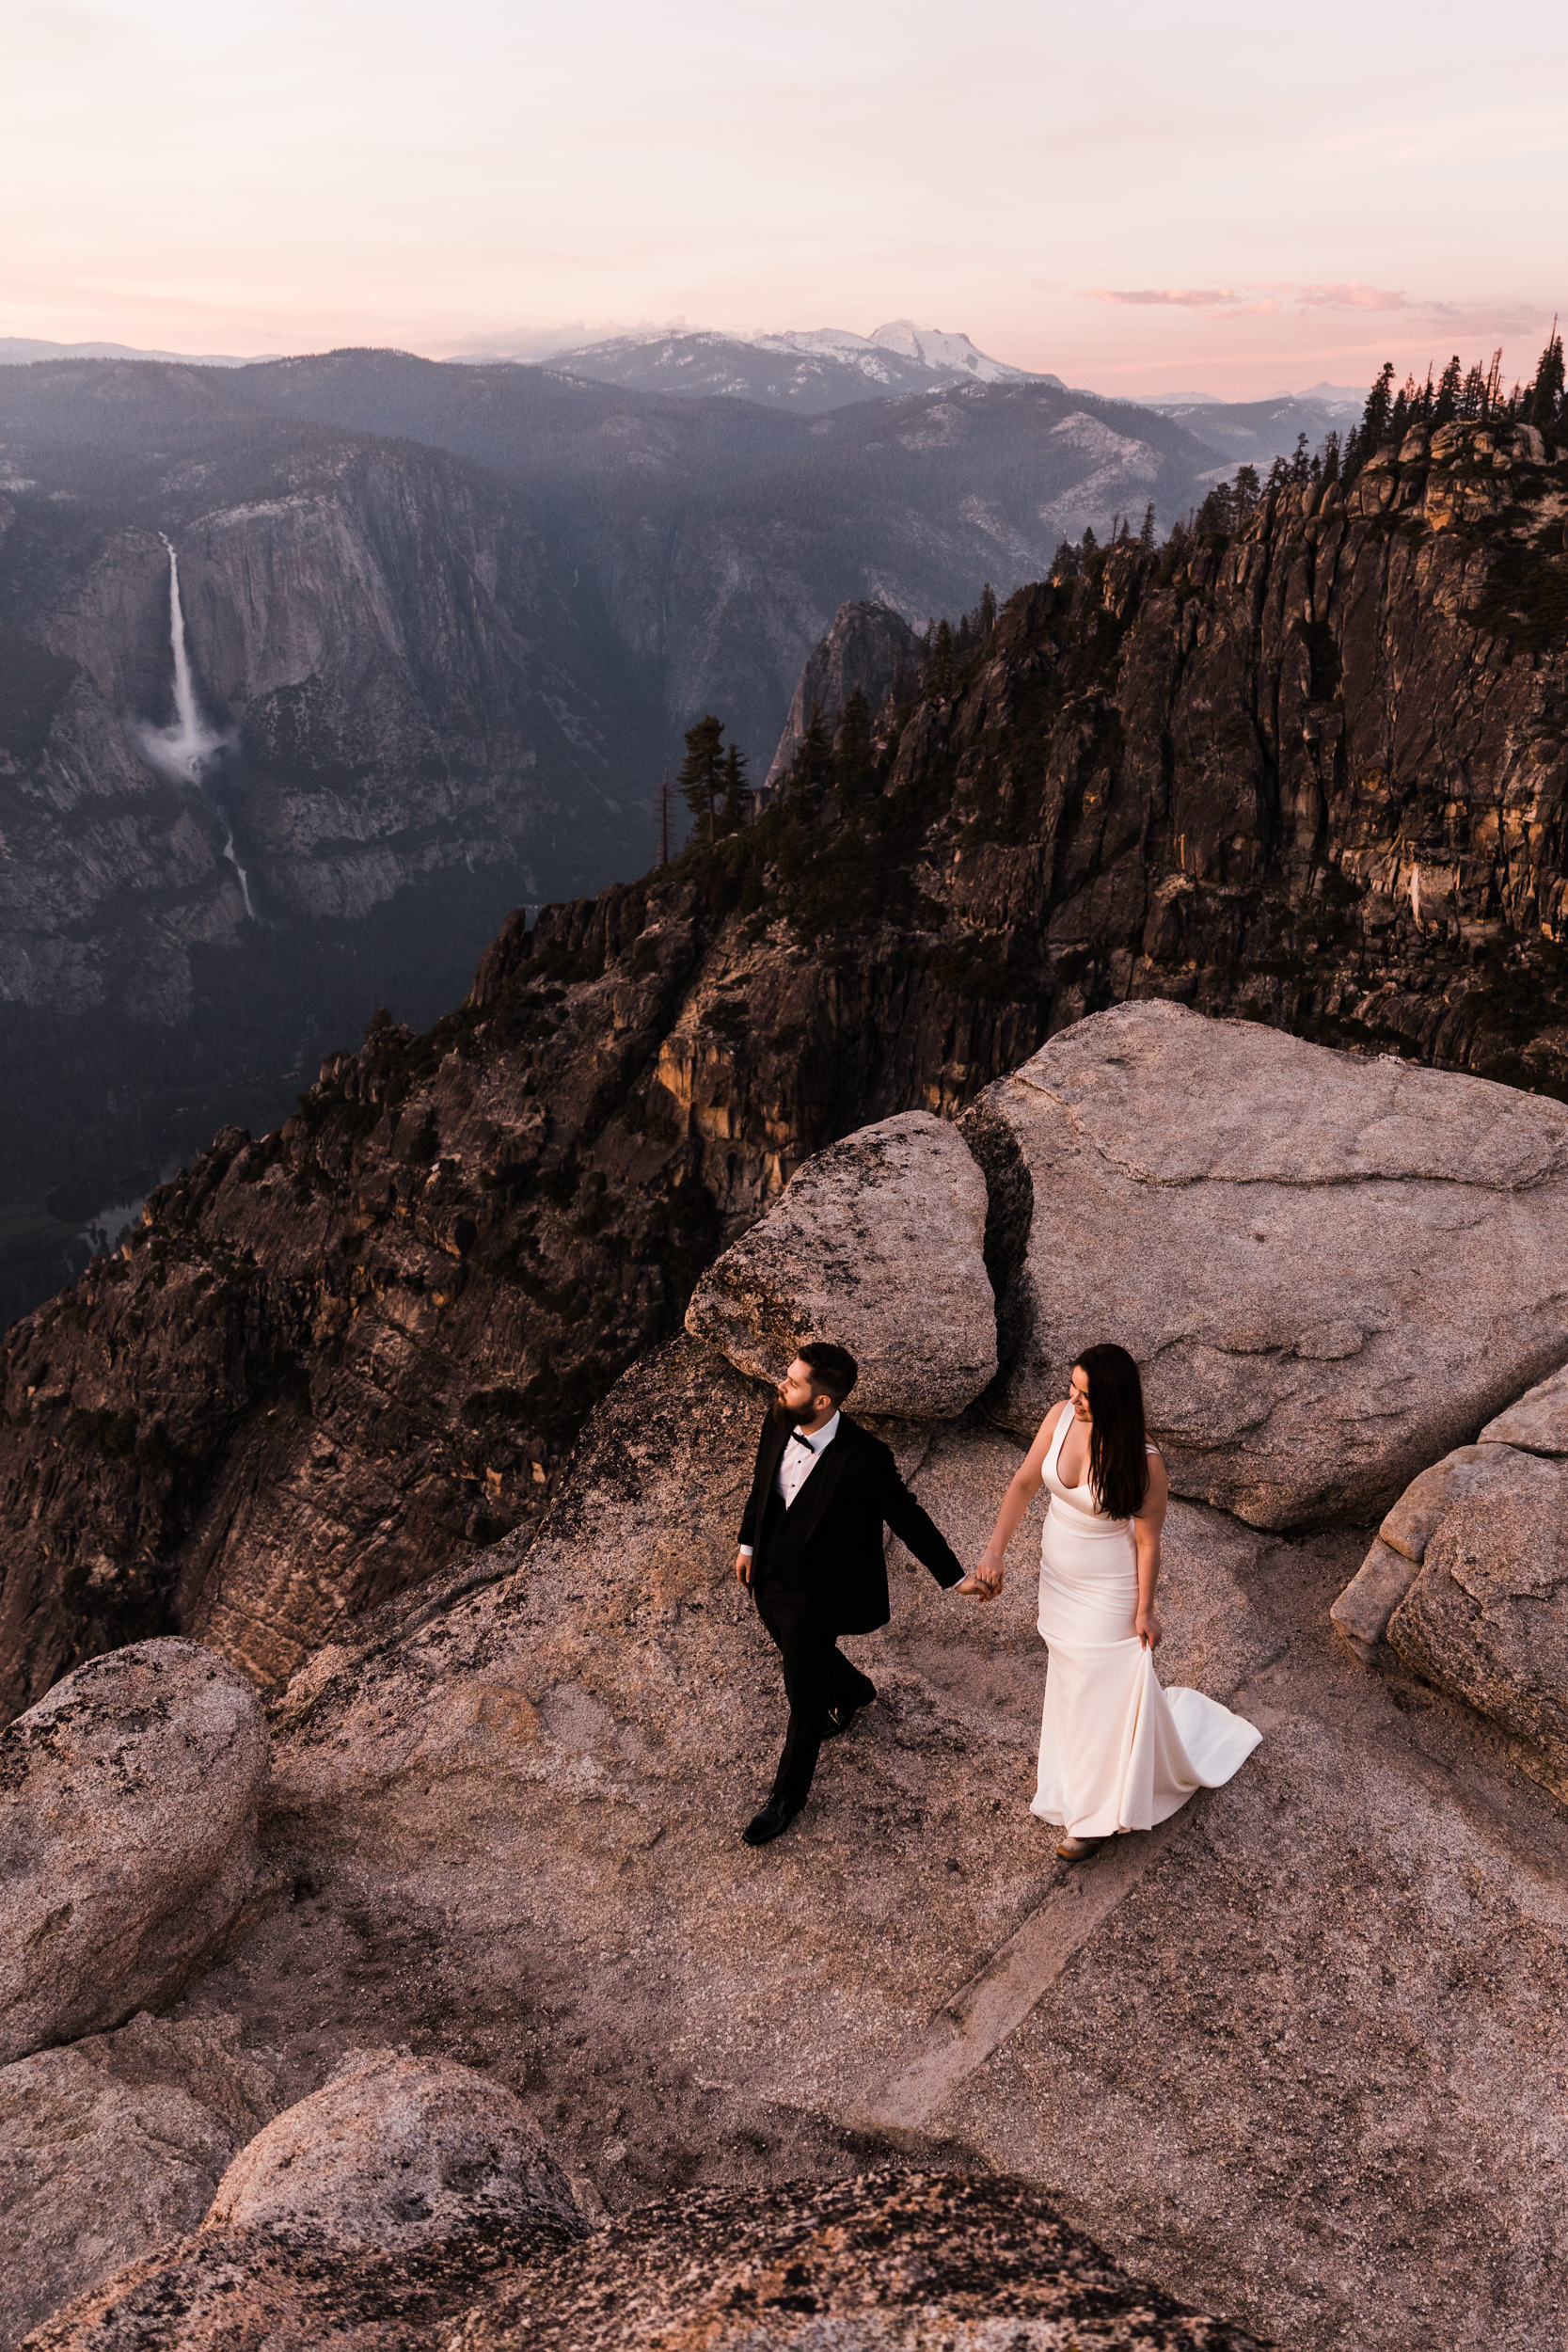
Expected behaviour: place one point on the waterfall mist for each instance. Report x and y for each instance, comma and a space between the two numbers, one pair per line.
185, 751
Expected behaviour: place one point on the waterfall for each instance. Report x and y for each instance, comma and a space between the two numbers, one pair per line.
184, 751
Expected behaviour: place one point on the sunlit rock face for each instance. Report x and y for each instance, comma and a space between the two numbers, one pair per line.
877, 1244
1331, 1268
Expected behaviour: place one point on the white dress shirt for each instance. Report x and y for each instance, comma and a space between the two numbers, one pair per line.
797, 1461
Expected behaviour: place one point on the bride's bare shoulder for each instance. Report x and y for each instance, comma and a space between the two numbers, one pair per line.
1048, 1427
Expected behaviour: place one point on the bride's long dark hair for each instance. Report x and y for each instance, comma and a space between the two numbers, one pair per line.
1118, 1467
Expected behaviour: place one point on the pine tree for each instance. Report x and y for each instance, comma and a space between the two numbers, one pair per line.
735, 806
1369, 436
1089, 545
853, 770
1301, 462
812, 766
1145, 536
1064, 566
1545, 406
1331, 458
1472, 400
939, 677
1451, 384
988, 609
1218, 511
701, 777
1248, 493
1378, 413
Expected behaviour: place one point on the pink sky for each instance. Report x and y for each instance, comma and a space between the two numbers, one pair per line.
1142, 200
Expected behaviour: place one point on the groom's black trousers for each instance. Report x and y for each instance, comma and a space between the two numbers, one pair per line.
816, 1675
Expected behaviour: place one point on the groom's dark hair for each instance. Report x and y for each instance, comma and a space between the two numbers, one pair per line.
834, 1370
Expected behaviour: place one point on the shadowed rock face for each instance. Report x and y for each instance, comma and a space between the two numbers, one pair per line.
1227, 778
1330, 1270
868, 646
128, 1801
113, 2146
877, 1244
1488, 1615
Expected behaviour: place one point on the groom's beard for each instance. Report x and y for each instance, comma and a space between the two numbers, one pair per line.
779, 1412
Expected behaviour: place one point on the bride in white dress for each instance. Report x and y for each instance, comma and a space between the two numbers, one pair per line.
1117, 1752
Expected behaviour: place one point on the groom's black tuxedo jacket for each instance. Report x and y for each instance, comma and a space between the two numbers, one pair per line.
829, 1544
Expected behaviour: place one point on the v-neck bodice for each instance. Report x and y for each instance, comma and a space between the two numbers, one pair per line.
1077, 1504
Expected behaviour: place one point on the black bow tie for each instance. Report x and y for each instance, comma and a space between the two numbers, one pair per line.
796, 1438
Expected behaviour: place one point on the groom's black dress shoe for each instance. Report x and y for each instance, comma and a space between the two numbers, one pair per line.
770, 1823
840, 1718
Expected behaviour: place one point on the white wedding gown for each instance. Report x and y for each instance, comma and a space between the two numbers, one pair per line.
1117, 1752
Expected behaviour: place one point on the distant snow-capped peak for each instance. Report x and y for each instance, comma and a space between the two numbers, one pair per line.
928, 346
936, 350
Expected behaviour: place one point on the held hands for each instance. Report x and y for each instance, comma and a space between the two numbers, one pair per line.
984, 1582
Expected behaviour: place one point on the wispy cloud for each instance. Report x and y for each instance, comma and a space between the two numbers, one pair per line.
1356, 298
1234, 302
1176, 297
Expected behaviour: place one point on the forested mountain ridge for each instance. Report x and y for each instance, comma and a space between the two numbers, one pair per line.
1310, 772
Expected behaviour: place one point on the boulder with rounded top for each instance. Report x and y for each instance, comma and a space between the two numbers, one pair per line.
1331, 1269
396, 2152
876, 1243
128, 1804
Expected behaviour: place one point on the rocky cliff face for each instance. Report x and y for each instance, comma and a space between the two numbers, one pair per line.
723, 534
376, 713
1313, 776
398, 711
869, 646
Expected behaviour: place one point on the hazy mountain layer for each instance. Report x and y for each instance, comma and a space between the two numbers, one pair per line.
724, 534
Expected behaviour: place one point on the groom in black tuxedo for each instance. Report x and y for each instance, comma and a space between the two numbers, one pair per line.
811, 1550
